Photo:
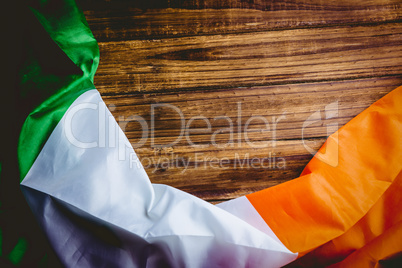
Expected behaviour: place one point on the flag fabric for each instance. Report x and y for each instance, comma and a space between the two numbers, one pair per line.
97, 208
354, 206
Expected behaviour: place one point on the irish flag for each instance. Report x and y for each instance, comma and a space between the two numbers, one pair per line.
73, 165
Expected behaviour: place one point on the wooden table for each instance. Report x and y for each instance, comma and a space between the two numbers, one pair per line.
257, 85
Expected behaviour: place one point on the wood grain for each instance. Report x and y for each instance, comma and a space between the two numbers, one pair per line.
266, 5
198, 155
221, 108
214, 174
242, 60
139, 24
276, 63
127, 20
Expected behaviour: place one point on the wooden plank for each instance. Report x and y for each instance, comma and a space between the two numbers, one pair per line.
285, 5
133, 24
288, 5
274, 58
291, 5
242, 60
225, 174
196, 155
285, 107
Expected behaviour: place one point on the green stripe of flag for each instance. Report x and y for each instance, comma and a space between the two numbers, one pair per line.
51, 56
62, 57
